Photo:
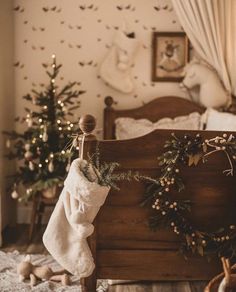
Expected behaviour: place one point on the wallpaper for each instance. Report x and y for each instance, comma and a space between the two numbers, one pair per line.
80, 33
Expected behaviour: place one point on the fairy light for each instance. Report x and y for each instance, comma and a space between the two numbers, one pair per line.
53, 56
59, 101
58, 121
45, 107
63, 152
51, 155
69, 128
60, 128
71, 125
40, 120
40, 165
41, 136
53, 80
46, 160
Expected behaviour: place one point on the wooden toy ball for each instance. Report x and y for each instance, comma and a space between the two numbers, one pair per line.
87, 124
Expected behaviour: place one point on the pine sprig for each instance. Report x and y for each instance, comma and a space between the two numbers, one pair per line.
106, 173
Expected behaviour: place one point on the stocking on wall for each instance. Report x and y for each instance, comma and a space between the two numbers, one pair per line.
71, 222
116, 67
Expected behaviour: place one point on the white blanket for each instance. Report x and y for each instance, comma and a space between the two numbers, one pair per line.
71, 221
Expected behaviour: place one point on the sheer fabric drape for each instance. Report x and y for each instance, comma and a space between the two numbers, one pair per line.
211, 28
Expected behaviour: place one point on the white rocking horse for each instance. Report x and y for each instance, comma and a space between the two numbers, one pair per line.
212, 92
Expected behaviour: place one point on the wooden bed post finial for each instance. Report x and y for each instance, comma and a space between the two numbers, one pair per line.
109, 101
87, 124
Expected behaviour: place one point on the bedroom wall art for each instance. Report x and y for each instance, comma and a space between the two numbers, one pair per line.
80, 33
170, 54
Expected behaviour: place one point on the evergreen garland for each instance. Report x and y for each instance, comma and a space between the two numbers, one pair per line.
171, 211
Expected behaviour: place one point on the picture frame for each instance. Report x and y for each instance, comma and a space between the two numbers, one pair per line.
170, 53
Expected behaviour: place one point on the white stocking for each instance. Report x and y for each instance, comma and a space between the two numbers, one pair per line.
116, 67
71, 221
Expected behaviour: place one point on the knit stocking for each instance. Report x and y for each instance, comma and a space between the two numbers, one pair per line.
71, 221
116, 67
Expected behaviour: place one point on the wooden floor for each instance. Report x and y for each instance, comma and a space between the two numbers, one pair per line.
16, 238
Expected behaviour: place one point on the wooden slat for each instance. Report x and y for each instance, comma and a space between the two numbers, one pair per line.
139, 265
136, 244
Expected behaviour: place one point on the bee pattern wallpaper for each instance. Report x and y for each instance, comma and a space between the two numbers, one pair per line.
80, 33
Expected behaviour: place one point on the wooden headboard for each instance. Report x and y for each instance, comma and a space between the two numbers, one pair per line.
160, 107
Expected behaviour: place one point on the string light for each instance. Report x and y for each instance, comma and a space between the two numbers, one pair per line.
51, 155
40, 120
53, 80
45, 107
63, 152
40, 165
46, 160
58, 121
60, 128
41, 136
53, 56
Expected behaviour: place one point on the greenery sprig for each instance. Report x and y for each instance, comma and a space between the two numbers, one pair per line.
171, 211
106, 173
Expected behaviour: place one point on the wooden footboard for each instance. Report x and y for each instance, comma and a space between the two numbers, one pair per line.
123, 245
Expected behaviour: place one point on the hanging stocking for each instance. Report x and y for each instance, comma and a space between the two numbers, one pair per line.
116, 68
71, 221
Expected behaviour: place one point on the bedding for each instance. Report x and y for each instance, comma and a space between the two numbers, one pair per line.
219, 121
128, 128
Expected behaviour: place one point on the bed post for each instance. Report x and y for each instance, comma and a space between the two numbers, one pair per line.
87, 124
109, 116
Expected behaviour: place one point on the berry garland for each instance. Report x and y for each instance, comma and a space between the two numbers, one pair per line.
172, 212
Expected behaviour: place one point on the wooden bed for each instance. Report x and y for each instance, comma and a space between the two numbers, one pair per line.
161, 107
123, 245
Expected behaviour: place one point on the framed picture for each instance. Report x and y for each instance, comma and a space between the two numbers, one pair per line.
170, 53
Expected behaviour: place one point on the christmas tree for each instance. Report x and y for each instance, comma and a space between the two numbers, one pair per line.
42, 149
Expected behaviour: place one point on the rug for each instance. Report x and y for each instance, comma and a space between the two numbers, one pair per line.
9, 280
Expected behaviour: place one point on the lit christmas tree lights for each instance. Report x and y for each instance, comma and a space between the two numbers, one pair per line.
40, 148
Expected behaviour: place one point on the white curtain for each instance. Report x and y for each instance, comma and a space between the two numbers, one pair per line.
211, 28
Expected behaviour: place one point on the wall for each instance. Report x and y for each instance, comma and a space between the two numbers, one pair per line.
80, 33
6, 103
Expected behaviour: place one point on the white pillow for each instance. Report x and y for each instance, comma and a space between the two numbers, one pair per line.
218, 121
128, 128
190, 122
